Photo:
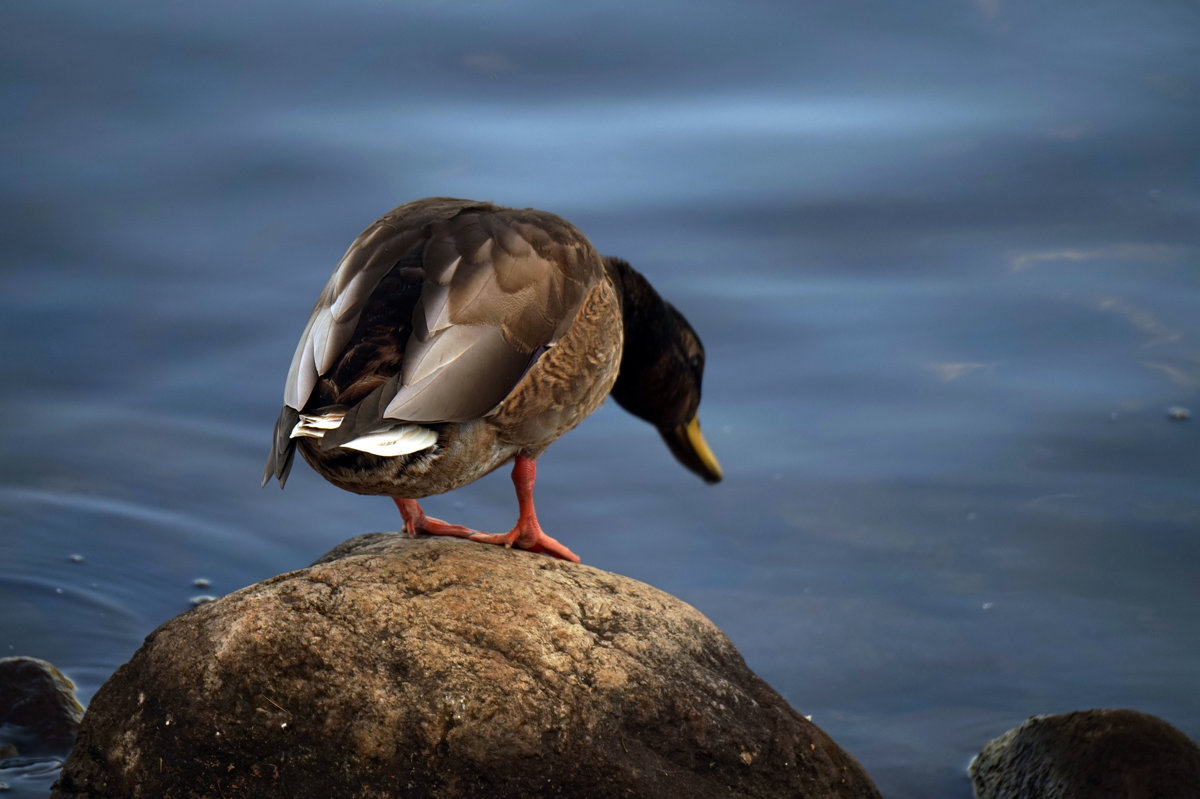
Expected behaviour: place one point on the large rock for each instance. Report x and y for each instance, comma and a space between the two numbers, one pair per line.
1090, 754
39, 713
435, 667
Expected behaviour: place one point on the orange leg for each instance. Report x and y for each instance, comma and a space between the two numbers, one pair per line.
527, 534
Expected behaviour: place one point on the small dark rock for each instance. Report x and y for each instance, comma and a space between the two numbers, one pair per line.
443, 668
1089, 754
39, 713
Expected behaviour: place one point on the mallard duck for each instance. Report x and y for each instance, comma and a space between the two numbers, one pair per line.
456, 336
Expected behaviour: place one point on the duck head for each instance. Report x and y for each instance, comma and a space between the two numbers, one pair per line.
662, 368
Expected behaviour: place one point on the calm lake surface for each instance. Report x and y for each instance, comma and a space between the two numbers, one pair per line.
945, 259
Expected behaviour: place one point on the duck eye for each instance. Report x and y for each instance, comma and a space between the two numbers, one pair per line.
694, 363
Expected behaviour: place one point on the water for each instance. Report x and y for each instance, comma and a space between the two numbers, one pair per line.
944, 260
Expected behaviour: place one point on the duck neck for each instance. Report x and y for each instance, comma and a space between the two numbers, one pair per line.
648, 322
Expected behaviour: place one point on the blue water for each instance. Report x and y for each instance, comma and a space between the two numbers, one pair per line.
945, 259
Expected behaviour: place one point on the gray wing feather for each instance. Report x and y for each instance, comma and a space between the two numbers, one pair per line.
463, 373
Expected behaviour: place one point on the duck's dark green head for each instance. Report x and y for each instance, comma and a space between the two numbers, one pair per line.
662, 368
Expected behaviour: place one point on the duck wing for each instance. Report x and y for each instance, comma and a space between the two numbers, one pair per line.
497, 287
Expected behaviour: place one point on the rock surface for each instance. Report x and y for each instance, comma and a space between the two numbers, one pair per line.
435, 667
39, 713
1090, 754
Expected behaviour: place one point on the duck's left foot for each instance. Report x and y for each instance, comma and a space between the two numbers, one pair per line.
415, 521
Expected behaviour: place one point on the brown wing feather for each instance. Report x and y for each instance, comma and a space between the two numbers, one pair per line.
489, 305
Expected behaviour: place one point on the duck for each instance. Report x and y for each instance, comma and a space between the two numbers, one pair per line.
455, 337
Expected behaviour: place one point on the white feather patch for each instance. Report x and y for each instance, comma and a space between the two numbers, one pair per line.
315, 425
393, 441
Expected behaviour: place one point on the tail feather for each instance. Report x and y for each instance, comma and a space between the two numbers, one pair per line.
283, 447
